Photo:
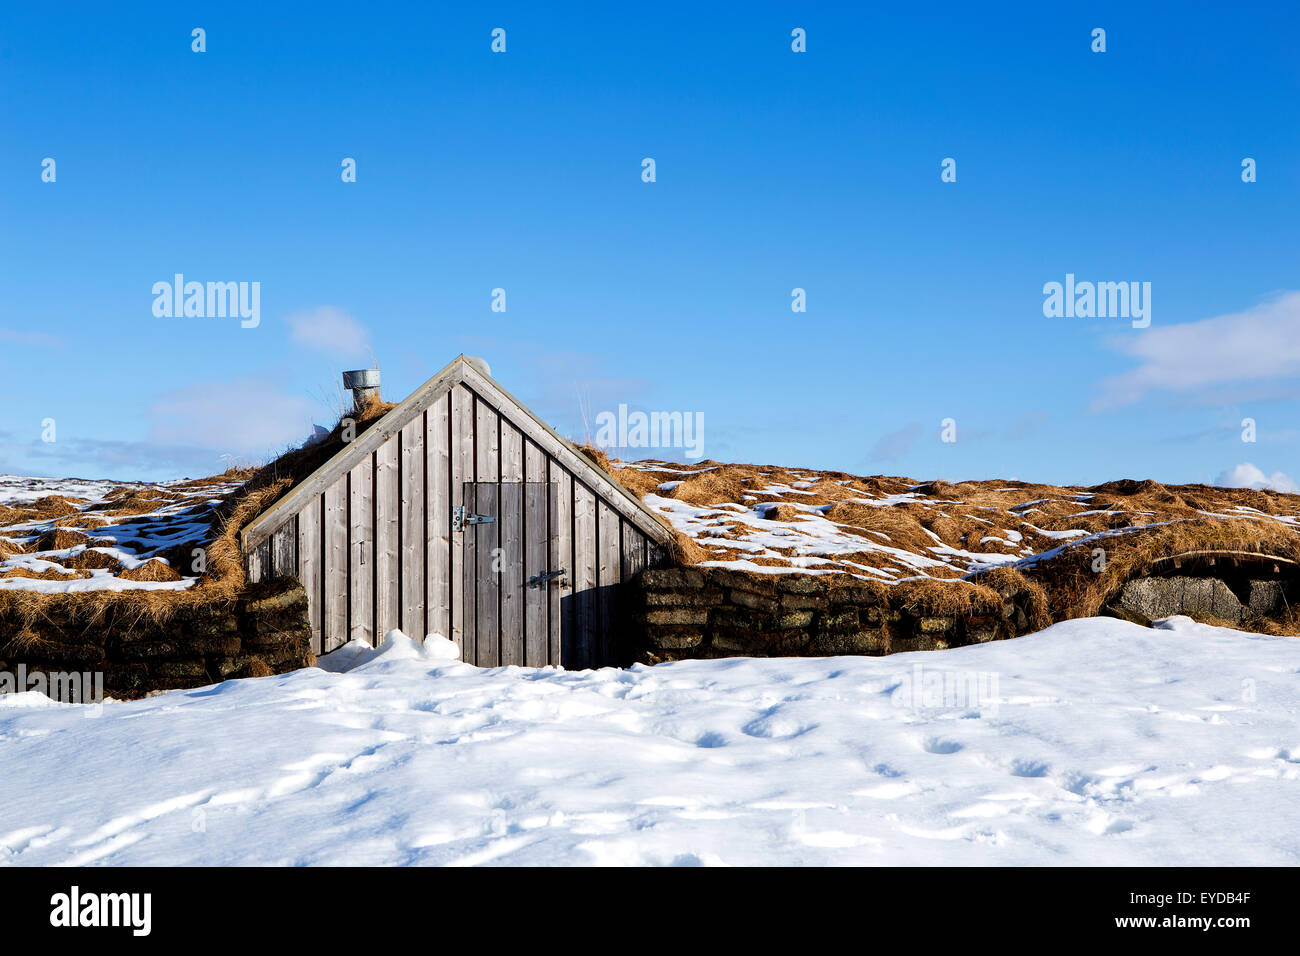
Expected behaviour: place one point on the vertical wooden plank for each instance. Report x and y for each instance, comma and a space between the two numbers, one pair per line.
386, 534
334, 625
361, 552
609, 574
469, 583
512, 453
284, 549
562, 621
534, 463
259, 562
487, 631
586, 624
437, 451
412, 529
634, 552
309, 567
511, 576
537, 550
487, 450
536, 554
634, 558
462, 471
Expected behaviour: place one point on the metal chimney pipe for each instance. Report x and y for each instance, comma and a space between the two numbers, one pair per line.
364, 383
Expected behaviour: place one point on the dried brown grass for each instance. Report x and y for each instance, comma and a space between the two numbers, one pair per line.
255, 668
946, 598
10, 546
92, 560
135, 501
1010, 583
45, 574
53, 506
60, 538
80, 520
152, 570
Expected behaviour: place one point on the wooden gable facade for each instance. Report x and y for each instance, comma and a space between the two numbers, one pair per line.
460, 513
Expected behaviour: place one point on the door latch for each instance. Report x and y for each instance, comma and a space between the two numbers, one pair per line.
546, 577
461, 517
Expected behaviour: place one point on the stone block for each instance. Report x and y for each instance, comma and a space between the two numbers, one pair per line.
671, 579
677, 615
704, 597
755, 600
854, 642
1266, 597
1155, 598
935, 625
676, 640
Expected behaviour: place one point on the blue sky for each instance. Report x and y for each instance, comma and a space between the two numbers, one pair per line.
775, 170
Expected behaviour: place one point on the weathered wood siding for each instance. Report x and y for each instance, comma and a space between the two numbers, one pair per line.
375, 549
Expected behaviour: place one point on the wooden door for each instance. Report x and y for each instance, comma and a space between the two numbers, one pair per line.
509, 616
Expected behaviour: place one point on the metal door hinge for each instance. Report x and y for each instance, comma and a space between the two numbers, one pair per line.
460, 517
541, 580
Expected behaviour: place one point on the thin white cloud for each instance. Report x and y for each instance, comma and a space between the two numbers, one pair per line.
329, 329
1243, 348
248, 418
896, 444
97, 458
1246, 475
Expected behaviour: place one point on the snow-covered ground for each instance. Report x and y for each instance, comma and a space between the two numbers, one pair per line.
1093, 742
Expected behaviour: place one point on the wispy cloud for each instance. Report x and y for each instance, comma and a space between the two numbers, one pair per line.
250, 417
191, 430
329, 329
1246, 475
97, 458
1025, 427
895, 444
1258, 345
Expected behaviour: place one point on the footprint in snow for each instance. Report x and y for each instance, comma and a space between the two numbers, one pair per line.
1079, 783
20, 840
940, 745
1028, 768
1104, 825
774, 725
